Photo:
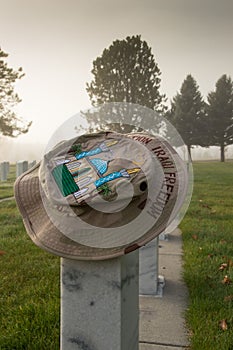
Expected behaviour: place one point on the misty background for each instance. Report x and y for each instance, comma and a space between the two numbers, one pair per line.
56, 42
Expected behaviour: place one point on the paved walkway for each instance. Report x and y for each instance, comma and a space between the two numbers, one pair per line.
162, 325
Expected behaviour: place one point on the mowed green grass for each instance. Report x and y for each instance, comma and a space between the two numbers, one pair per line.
6, 187
29, 277
208, 257
29, 288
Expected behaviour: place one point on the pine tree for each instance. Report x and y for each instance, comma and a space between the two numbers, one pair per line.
10, 124
220, 114
126, 72
188, 116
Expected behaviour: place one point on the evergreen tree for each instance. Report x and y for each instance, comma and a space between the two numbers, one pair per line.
126, 72
220, 114
188, 116
10, 124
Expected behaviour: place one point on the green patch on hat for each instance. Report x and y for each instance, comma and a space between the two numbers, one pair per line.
64, 180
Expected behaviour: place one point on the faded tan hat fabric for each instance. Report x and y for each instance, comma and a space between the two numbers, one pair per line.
101, 195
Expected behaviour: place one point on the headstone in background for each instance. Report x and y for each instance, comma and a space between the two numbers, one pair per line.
4, 170
31, 164
21, 167
8, 167
150, 282
164, 236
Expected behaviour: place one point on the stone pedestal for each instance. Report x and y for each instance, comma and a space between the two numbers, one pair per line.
99, 304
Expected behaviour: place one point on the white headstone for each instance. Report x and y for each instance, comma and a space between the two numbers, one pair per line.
21, 167
4, 170
148, 272
31, 164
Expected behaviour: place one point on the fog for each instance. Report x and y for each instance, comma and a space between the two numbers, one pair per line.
56, 42
11, 150
211, 153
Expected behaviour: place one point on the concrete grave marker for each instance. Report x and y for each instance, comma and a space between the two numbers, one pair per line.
31, 164
99, 303
4, 170
148, 271
21, 167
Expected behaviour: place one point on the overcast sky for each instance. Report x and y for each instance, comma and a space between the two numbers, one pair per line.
56, 42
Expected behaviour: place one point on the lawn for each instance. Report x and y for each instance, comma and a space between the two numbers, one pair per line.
6, 187
29, 287
208, 257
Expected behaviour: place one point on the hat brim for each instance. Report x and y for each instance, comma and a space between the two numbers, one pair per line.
45, 234
41, 229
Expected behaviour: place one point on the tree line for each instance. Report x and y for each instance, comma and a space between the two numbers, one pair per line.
128, 72
204, 123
